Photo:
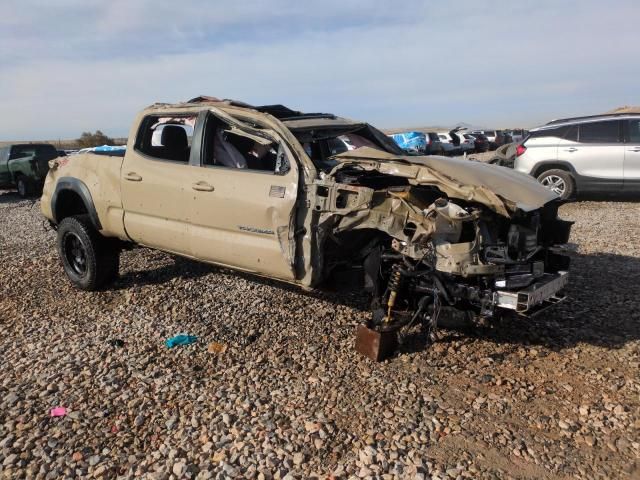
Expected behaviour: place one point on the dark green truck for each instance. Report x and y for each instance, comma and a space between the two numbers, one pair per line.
24, 166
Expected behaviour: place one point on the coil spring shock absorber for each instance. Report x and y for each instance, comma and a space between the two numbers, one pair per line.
395, 282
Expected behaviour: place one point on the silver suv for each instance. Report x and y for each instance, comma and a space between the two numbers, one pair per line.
596, 154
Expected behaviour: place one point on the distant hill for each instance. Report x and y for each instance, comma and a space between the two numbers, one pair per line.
625, 109
59, 144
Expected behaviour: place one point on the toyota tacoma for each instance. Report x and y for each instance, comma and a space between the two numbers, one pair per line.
259, 189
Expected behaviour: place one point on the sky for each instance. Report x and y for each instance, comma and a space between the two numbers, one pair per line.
69, 66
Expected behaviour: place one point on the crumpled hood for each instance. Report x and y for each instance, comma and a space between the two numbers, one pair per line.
463, 176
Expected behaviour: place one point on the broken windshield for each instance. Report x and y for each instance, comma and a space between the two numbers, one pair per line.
323, 141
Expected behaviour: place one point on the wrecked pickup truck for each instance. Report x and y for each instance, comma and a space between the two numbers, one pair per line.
257, 189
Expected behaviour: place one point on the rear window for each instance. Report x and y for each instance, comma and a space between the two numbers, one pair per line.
557, 132
43, 151
166, 137
600, 132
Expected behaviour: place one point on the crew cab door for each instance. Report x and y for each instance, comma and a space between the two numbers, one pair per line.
632, 156
240, 204
155, 172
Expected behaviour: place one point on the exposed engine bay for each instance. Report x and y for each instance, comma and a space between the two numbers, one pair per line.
424, 254
432, 240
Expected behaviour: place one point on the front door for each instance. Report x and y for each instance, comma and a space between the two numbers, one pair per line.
632, 156
242, 199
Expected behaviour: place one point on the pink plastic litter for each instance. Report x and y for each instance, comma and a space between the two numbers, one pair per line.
58, 412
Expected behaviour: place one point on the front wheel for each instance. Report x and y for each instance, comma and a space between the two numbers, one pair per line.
559, 182
89, 260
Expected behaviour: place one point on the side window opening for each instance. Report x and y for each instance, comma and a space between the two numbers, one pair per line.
42, 151
226, 146
166, 137
556, 132
572, 134
600, 132
634, 131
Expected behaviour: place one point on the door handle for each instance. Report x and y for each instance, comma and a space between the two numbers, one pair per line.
570, 149
636, 149
133, 177
202, 187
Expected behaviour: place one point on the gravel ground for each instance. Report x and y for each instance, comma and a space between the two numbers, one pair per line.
555, 397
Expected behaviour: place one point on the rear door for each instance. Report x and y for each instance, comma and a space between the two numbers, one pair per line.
597, 154
242, 198
632, 156
155, 175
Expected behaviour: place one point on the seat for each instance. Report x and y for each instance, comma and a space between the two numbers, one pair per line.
225, 153
175, 143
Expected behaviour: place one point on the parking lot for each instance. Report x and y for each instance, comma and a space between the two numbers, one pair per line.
553, 397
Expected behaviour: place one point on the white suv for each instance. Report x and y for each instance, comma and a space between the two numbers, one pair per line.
597, 154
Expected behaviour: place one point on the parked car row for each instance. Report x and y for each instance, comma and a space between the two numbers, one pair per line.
450, 143
595, 154
497, 138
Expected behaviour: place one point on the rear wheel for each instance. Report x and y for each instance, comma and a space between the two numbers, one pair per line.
89, 260
559, 182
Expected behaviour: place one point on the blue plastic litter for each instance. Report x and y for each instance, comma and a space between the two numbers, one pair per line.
110, 148
107, 150
415, 141
180, 340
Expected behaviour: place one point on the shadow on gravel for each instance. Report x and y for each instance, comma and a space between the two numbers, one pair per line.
181, 267
603, 310
191, 269
611, 197
186, 268
9, 197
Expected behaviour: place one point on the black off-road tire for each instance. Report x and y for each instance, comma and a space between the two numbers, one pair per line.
89, 259
567, 191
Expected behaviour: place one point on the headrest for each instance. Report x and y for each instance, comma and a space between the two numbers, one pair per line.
174, 136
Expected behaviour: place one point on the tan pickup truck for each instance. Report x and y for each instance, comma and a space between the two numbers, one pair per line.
309, 199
